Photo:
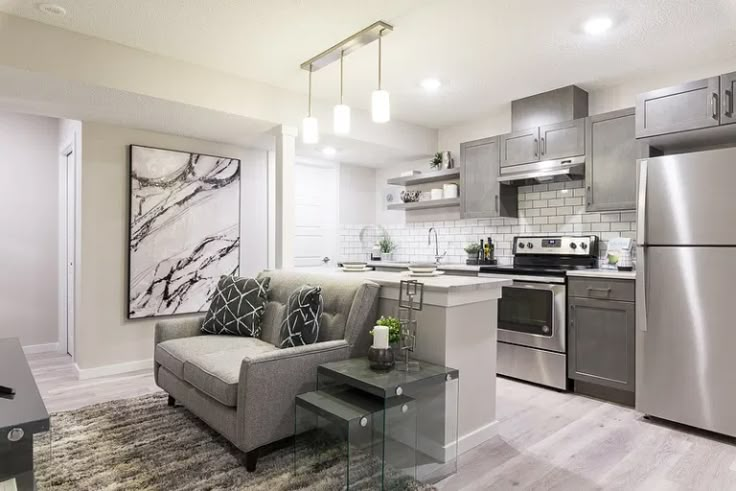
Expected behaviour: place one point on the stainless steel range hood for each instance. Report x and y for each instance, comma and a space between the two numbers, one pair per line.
546, 171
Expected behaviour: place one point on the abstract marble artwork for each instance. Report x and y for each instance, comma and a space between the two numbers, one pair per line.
184, 229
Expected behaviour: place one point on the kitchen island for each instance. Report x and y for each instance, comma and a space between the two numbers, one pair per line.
456, 328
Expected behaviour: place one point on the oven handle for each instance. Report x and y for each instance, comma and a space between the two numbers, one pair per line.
552, 287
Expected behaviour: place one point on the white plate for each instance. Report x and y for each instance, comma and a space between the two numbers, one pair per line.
427, 275
354, 270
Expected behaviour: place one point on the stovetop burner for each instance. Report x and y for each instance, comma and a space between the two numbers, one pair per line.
550, 256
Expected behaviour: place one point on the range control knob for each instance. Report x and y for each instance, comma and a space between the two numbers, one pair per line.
521, 245
573, 246
529, 245
583, 245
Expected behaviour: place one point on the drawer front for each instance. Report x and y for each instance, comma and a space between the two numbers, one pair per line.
602, 289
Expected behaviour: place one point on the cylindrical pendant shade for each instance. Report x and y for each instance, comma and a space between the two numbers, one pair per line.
341, 121
310, 130
380, 106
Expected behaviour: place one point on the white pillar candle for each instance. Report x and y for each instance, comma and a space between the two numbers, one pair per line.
380, 337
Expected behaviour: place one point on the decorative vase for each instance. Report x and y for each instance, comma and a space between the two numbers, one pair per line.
381, 359
387, 256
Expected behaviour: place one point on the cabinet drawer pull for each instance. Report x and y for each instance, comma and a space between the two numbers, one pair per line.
728, 102
536, 147
605, 291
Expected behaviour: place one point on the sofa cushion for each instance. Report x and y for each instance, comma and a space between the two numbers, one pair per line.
237, 307
303, 317
273, 317
173, 353
217, 374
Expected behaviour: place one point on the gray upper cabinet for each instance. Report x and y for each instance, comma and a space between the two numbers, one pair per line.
520, 147
610, 161
602, 342
728, 89
557, 141
689, 106
481, 195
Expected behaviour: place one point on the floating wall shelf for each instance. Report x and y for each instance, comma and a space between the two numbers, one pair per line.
425, 205
434, 176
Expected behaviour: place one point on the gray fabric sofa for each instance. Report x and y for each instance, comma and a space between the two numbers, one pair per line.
244, 388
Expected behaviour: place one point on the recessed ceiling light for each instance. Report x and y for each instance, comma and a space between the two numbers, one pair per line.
597, 25
52, 9
431, 84
329, 151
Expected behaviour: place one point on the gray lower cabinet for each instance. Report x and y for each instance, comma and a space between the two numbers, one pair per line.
601, 338
481, 195
561, 140
610, 161
728, 89
520, 147
689, 106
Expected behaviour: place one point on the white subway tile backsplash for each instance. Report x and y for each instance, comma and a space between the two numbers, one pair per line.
544, 209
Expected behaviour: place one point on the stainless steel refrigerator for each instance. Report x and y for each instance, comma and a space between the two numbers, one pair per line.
686, 289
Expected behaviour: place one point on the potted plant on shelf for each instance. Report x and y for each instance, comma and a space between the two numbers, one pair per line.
472, 250
387, 248
436, 162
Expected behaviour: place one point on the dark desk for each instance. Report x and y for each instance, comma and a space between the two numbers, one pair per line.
21, 416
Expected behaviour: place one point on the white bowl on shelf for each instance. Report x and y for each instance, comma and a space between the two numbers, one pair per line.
423, 268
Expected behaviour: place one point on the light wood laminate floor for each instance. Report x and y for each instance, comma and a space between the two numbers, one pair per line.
547, 440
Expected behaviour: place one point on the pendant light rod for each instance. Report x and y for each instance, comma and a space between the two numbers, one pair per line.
380, 36
342, 59
347, 46
309, 104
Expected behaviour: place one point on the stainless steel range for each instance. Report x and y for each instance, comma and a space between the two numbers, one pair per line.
532, 341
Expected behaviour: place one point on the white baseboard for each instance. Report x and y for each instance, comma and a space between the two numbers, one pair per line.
477, 437
40, 348
117, 369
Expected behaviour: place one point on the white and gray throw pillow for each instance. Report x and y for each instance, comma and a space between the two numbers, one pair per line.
303, 317
237, 307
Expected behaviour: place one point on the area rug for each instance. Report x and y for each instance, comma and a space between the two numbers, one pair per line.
143, 444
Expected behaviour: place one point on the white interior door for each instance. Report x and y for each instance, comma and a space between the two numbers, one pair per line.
315, 215
71, 231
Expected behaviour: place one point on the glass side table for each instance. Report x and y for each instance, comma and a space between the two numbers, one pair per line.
416, 421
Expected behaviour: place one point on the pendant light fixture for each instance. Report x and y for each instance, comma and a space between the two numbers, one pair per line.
341, 112
380, 105
310, 126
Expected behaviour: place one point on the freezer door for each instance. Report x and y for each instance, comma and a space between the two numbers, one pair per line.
686, 346
688, 199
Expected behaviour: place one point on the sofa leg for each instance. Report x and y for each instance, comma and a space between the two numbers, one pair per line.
172, 401
250, 460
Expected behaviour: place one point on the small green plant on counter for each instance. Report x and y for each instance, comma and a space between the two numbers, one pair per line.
472, 249
436, 162
387, 245
394, 328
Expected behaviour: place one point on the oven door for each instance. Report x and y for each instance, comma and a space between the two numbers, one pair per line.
533, 314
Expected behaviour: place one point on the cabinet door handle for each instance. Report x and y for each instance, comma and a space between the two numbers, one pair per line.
728, 104
544, 146
536, 147
496, 199
714, 105
588, 192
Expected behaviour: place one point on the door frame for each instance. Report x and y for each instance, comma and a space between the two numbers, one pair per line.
64, 327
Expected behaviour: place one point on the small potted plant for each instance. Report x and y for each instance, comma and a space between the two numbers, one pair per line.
386, 334
472, 250
387, 247
436, 162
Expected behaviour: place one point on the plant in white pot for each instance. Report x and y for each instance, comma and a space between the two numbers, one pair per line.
387, 248
472, 250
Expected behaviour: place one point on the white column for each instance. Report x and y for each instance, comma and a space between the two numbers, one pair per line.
284, 196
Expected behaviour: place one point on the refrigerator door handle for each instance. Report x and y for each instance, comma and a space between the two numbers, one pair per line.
641, 288
641, 207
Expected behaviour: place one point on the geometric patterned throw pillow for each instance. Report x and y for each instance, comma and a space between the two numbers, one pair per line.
237, 307
303, 316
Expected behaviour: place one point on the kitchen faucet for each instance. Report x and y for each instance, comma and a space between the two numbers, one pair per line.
437, 256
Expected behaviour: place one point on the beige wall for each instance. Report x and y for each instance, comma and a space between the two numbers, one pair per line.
104, 335
29, 228
357, 194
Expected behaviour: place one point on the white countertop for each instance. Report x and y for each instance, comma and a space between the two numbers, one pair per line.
603, 273
443, 267
446, 282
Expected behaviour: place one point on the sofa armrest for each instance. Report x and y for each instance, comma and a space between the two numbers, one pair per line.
270, 381
177, 328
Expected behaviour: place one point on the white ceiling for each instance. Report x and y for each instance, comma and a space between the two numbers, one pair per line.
485, 52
